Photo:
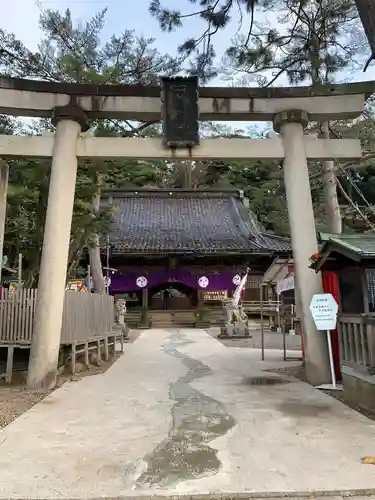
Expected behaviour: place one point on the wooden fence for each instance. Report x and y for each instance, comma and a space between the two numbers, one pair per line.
254, 306
85, 315
357, 335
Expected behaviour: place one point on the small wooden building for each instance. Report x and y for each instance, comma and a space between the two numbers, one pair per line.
351, 258
182, 249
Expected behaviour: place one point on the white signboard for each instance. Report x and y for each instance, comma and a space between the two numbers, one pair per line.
324, 311
285, 285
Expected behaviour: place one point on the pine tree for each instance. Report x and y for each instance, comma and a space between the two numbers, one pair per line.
310, 50
73, 52
217, 15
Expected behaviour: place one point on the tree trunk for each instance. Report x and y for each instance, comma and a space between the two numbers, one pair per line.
94, 247
4, 172
186, 179
31, 275
75, 253
331, 203
366, 11
72, 266
184, 174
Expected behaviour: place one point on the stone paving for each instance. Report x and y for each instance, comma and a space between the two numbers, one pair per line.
180, 413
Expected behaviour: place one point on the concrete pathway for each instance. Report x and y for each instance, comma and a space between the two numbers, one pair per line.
177, 414
272, 340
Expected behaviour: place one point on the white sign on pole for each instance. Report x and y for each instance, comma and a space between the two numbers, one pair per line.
324, 311
285, 285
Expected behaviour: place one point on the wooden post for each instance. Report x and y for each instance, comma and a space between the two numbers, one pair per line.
106, 350
261, 320
200, 299
73, 360
20, 268
99, 352
87, 361
145, 298
368, 327
9, 367
365, 294
284, 341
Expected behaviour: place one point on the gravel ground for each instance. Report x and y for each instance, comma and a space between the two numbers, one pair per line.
17, 399
297, 372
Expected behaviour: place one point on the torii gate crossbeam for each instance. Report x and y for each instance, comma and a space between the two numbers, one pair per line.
112, 148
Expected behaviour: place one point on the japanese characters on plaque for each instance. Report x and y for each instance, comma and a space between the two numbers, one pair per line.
218, 296
324, 309
180, 111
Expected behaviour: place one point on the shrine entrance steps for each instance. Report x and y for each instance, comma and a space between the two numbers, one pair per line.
183, 318
132, 317
169, 319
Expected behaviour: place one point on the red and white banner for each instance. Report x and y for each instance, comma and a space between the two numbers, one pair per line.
239, 290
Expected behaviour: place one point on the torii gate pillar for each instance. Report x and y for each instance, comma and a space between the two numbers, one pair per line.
291, 125
69, 121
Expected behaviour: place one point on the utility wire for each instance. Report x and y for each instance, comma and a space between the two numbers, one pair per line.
348, 198
354, 205
344, 169
355, 186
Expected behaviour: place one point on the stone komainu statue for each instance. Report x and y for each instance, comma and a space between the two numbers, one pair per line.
120, 309
236, 320
234, 313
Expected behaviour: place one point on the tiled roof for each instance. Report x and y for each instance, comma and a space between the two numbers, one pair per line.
362, 245
187, 221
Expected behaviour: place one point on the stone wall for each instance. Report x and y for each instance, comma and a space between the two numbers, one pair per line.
359, 388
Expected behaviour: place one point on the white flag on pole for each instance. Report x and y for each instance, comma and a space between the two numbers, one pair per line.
238, 291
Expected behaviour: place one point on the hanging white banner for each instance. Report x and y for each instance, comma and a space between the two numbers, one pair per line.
285, 285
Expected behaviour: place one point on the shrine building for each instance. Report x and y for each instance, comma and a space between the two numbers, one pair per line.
184, 249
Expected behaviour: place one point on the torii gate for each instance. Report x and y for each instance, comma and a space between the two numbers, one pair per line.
71, 106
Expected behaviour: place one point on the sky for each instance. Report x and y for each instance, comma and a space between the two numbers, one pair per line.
121, 15
21, 18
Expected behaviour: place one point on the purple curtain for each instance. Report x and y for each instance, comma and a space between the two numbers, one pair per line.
136, 281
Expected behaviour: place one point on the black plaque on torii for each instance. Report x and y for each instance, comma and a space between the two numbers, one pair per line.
180, 111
